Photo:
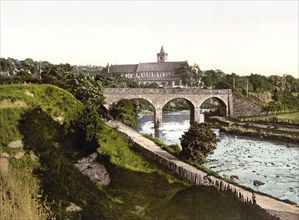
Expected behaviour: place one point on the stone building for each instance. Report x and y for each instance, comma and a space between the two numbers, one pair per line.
160, 72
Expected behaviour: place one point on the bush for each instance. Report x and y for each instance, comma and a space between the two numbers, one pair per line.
124, 111
198, 142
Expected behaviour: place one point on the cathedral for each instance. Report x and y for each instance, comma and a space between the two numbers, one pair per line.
160, 72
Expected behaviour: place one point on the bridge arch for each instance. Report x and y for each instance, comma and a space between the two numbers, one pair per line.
221, 109
159, 97
189, 102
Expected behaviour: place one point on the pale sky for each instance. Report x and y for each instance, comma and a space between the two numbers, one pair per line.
234, 36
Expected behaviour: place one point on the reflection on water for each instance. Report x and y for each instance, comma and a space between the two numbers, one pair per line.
273, 164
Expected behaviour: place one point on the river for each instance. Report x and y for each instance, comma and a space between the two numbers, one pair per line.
274, 164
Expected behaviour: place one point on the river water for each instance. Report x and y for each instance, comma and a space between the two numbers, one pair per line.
274, 164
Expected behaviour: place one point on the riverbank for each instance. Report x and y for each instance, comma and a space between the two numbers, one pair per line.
194, 175
267, 131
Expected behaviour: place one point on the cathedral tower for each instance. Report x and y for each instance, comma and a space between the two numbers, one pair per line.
162, 56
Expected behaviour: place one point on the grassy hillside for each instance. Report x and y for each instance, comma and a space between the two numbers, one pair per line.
19, 187
139, 188
17, 99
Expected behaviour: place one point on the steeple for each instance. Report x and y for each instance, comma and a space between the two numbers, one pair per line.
162, 56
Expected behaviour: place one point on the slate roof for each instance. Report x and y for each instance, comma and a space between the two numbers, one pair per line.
159, 67
130, 68
147, 67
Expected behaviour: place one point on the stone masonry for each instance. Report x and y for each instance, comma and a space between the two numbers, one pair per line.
160, 97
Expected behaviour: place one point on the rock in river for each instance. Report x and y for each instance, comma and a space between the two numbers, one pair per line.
258, 183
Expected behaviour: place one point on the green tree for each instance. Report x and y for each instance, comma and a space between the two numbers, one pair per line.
87, 90
190, 75
86, 129
198, 142
125, 112
82, 87
292, 84
115, 80
29, 64
260, 83
212, 78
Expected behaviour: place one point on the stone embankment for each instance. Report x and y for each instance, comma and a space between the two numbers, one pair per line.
243, 107
196, 176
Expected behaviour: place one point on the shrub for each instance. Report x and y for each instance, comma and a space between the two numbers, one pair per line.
124, 111
198, 142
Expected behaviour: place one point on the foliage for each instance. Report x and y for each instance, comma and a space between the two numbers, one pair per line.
211, 78
124, 111
190, 75
283, 100
143, 106
292, 83
150, 85
176, 105
82, 87
280, 117
120, 152
198, 142
87, 90
54, 101
115, 80
260, 83
215, 204
8, 125
29, 64
85, 129
57, 152
20, 196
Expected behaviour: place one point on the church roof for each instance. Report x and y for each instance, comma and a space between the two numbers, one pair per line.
159, 67
162, 50
147, 67
128, 68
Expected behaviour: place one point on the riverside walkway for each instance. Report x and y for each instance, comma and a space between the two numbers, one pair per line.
283, 210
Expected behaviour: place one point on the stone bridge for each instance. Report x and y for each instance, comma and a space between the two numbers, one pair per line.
158, 98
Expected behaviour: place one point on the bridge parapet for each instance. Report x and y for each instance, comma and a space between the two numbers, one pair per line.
185, 91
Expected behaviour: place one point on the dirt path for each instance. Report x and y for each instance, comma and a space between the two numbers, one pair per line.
283, 210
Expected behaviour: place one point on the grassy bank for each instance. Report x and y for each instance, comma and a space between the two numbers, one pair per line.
278, 117
17, 99
20, 188
139, 188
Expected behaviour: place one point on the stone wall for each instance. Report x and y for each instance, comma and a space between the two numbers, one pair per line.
242, 107
167, 160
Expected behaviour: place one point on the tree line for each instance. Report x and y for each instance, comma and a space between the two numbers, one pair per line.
87, 82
